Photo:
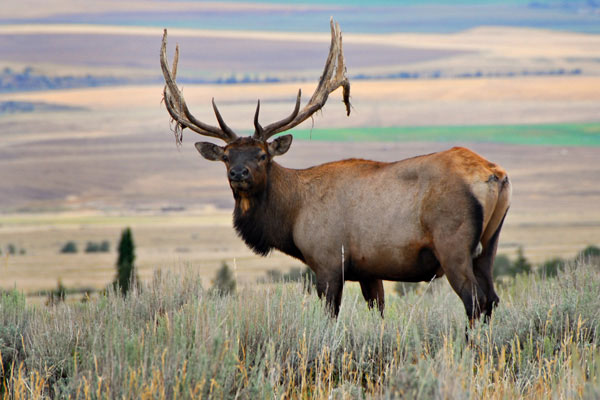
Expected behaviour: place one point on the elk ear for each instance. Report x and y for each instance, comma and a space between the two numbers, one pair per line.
280, 145
210, 151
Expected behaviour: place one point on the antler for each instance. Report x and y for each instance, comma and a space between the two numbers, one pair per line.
178, 109
334, 76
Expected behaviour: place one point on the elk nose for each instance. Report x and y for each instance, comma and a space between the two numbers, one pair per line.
238, 173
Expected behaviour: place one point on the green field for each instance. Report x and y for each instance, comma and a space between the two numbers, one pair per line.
547, 134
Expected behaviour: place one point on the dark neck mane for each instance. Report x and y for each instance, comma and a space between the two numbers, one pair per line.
267, 223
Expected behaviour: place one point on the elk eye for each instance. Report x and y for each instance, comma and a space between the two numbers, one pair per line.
262, 157
225, 158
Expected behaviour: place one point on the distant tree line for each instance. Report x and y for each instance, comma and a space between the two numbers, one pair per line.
28, 79
471, 74
13, 107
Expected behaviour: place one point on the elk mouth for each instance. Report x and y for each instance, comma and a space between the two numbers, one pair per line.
241, 185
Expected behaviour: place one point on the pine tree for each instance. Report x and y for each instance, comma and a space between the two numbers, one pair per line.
125, 262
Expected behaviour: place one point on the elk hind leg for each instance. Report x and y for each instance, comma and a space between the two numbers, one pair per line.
483, 269
372, 290
458, 267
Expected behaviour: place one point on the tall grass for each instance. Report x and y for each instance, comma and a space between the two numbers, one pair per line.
173, 339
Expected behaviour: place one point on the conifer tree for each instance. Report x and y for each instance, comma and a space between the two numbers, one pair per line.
125, 262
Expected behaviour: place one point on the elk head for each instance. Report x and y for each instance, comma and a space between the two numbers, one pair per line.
248, 158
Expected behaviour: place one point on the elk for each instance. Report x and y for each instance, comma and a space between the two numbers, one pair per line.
411, 220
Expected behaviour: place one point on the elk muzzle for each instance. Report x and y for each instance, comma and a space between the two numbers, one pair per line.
238, 173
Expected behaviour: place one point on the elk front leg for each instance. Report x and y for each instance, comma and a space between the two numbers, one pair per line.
330, 286
372, 290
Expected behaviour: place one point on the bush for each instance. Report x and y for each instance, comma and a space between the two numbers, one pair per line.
57, 295
521, 264
502, 266
91, 247
589, 252
104, 246
404, 288
100, 247
69, 247
551, 267
295, 274
224, 282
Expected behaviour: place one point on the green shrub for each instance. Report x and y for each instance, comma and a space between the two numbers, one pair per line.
69, 247
97, 247
589, 252
104, 246
404, 288
295, 274
502, 266
224, 281
57, 295
91, 247
550, 268
521, 264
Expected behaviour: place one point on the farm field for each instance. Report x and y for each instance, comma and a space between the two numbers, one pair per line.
109, 160
547, 218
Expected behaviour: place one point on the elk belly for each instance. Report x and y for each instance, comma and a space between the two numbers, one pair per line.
412, 263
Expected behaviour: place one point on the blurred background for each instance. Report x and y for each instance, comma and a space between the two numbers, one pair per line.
86, 147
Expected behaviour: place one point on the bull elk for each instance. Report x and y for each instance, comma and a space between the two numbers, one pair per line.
411, 220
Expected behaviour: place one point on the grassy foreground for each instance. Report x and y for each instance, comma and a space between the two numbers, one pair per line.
173, 339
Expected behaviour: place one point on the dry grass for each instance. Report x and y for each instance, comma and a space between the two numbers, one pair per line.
175, 340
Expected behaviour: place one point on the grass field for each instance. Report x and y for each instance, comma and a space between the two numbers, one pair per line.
545, 135
174, 339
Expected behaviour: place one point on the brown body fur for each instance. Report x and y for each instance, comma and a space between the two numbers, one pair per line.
411, 220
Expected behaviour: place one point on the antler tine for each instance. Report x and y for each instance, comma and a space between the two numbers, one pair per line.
276, 125
334, 76
177, 107
258, 129
222, 123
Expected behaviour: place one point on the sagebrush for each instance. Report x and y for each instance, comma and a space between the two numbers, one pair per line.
173, 339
